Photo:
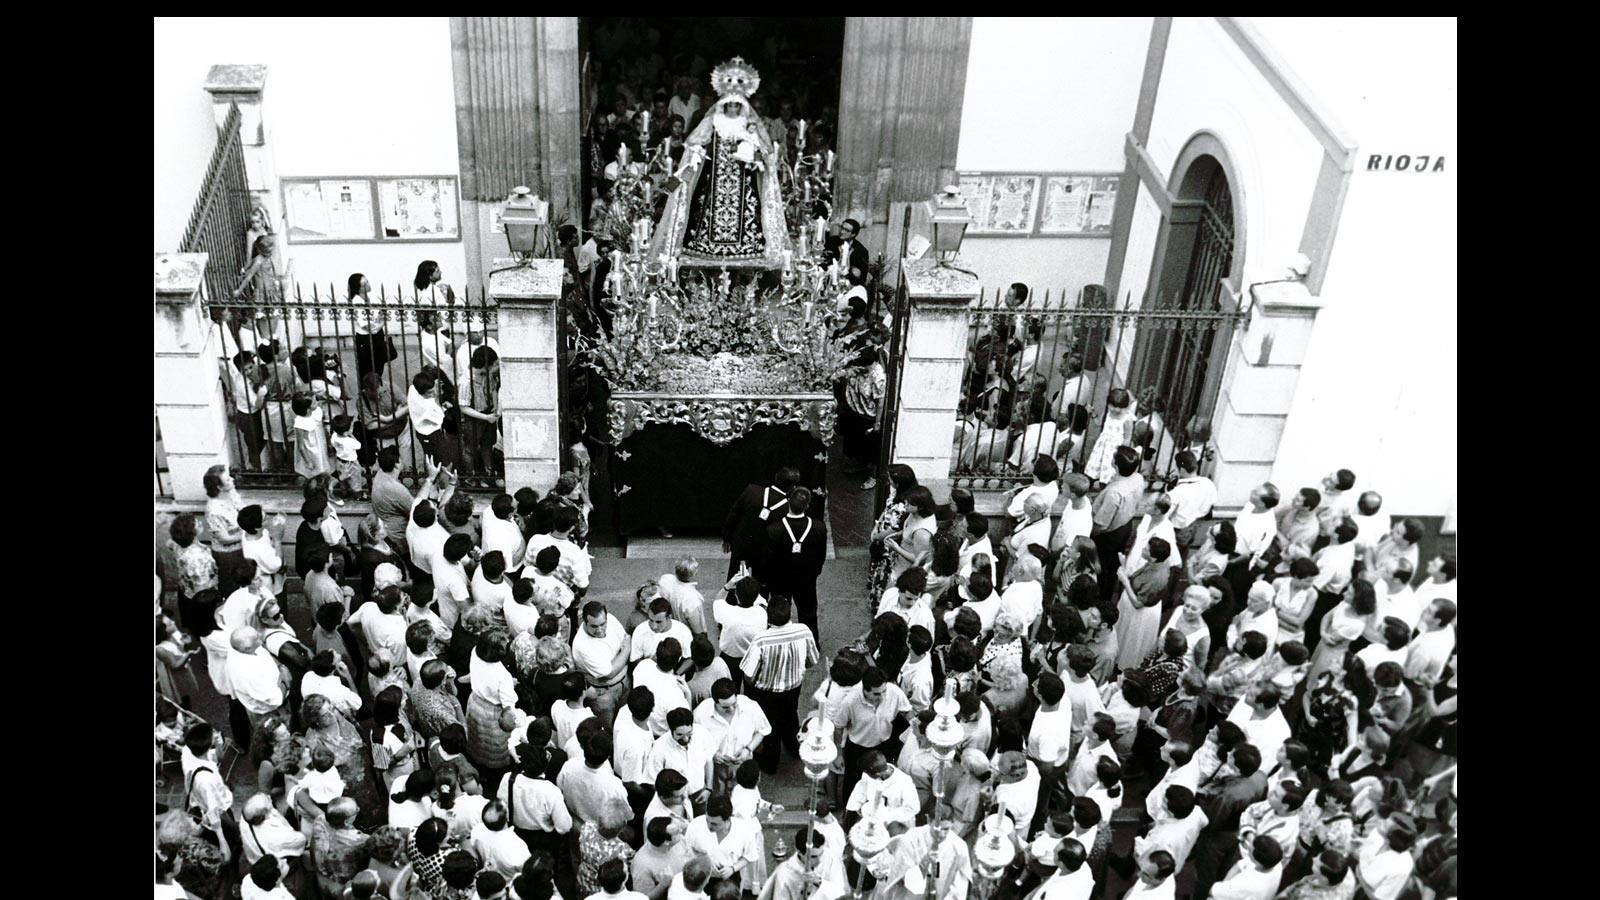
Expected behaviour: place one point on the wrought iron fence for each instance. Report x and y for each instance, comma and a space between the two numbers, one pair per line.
1073, 378
354, 357
220, 222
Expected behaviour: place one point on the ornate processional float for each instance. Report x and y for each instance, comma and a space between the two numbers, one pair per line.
719, 353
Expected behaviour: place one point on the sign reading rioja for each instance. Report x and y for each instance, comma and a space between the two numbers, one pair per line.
1404, 162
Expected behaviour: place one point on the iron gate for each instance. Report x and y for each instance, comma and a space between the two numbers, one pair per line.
220, 220
1041, 372
894, 371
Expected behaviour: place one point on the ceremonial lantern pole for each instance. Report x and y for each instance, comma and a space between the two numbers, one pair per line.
993, 852
867, 840
817, 752
945, 734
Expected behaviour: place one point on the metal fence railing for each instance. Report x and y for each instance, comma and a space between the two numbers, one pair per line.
1041, 376
356, 356
220, 220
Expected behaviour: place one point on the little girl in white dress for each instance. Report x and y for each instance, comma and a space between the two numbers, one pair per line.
1113, 433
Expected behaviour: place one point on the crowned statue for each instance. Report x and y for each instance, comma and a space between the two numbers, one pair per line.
726, 205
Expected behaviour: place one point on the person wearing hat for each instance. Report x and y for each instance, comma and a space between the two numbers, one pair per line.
1383, 860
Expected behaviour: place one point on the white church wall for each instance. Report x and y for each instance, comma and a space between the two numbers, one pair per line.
1048, 94
333, 107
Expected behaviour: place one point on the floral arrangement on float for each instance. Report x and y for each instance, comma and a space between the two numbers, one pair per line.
712, 334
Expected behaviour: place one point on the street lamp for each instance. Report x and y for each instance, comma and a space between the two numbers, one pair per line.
524, 212
950, 218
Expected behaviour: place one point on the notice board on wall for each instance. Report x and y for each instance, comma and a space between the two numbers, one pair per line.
335, 210
1039, 205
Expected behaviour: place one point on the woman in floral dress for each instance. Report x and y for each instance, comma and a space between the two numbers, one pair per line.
890, 521
326, 728
600, 842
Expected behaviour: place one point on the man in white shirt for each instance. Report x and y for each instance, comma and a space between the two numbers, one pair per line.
1156, 881
660, 675
425, 538
600, 652
1371, 525
981, 598
1261, 719
1337, 500
1072, 879
1258, 615
685, 102
678, 587
1046, 473
916, 676
1430, 651
496, 845
490, 587
1335, 561
1077, 517
1255, 878
1256, 525
734, 725
451, 587
880, 779
427, 414
1024, 597
253, 675
1383, 859
632, 740
533, 803
687, 752
1441, 580
323, 679
977, 542
1192, 499
576, 564
500, 531
1050, 736
382, 622
1177, 829
1395, 596
740, 616
649, 634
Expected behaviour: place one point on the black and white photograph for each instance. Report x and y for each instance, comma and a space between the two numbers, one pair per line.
805, 458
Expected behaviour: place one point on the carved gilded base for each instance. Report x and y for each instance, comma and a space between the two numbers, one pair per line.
722, 419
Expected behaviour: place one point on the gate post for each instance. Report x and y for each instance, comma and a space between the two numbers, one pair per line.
189, 401
526, 296
932, 362
1258, 388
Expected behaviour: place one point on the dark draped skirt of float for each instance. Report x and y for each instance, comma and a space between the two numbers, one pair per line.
676, 478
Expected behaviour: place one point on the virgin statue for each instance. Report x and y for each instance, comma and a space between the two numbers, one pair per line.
727, 205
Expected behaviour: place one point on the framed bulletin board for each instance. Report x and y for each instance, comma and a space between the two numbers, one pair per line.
1050, 205
349, 210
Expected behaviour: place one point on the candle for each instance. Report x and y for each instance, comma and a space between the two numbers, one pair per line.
647, 186
822, 230
803, 251
808, 191
622, 155
802, 140
652, 314
788, 260
644, 127
810, 308
830, 162
616, 262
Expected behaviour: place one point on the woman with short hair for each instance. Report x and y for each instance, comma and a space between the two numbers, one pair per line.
222, 524
325, 727
492, 708
601, 841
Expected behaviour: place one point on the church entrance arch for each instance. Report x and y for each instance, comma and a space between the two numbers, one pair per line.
1178, 358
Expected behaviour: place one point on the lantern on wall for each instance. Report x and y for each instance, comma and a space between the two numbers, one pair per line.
950, 218
524, 212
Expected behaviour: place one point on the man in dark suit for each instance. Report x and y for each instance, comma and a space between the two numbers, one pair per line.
744, 533
796, 547
853, 258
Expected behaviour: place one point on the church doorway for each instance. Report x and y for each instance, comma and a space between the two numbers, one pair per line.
1181, 351
662, 65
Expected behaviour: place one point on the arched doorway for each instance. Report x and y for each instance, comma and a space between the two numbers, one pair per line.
1182, 346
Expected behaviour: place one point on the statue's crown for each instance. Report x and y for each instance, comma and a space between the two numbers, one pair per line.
735, 77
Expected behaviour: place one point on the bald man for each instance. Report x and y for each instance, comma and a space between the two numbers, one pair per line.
254, 677
267, 833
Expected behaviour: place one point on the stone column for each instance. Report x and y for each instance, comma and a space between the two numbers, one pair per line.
932, 361
246, 85
189, 401
1258, 388
530, 413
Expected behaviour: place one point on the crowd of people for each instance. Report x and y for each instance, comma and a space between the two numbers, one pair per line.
1258, 707
1265, 705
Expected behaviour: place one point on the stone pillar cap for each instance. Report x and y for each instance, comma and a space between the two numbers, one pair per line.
236, 79
179, 276
537, 279
1285, 298
926, 279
